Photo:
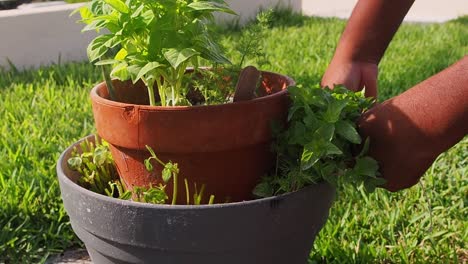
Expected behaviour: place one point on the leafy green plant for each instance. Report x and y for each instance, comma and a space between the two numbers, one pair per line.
95, 164
154, 41
318, 143
171, 170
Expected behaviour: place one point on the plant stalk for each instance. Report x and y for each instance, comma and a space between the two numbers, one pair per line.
150, 86
174, 191
108, 81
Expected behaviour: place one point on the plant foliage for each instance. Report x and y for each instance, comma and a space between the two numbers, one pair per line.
319, 141
154, 41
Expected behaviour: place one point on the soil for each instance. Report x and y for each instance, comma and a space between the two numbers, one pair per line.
72, 256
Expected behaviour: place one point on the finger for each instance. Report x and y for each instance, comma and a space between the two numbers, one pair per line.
369, 80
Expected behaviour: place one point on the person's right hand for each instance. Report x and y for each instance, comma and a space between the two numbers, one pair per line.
353, 75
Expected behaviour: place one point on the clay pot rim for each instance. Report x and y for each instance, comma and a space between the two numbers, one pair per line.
62, 163
97, 98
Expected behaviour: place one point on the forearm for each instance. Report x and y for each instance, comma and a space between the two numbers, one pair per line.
409, 131
438, 106
370, 29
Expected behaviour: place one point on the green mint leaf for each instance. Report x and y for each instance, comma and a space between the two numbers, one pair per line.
347, 130
310, 155
332, 149
326, 131
366, 166
334, 110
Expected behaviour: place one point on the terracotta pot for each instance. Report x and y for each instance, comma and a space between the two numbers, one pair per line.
226, 147
274, 230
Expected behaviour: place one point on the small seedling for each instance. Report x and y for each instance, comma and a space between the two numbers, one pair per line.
171, 170
95, 164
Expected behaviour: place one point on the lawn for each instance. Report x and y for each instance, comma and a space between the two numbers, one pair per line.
43, 111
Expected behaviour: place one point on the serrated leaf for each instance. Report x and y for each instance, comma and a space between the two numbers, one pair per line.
175, 56
95, 24
347, 130
118, 5
366, 166
96, 49
334, 110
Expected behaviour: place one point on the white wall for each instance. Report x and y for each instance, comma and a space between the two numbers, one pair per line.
36, 36
30, 37
421, 11
247, 9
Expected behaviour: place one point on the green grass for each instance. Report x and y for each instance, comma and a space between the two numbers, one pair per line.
43, 111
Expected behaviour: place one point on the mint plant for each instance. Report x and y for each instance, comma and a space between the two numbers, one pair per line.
154, 41
318, 143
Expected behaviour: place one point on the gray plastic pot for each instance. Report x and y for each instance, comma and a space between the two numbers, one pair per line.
273, 230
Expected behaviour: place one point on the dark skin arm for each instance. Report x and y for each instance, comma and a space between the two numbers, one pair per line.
366, 37
409, 131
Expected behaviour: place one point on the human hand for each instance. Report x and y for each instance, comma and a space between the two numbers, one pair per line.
353, 75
